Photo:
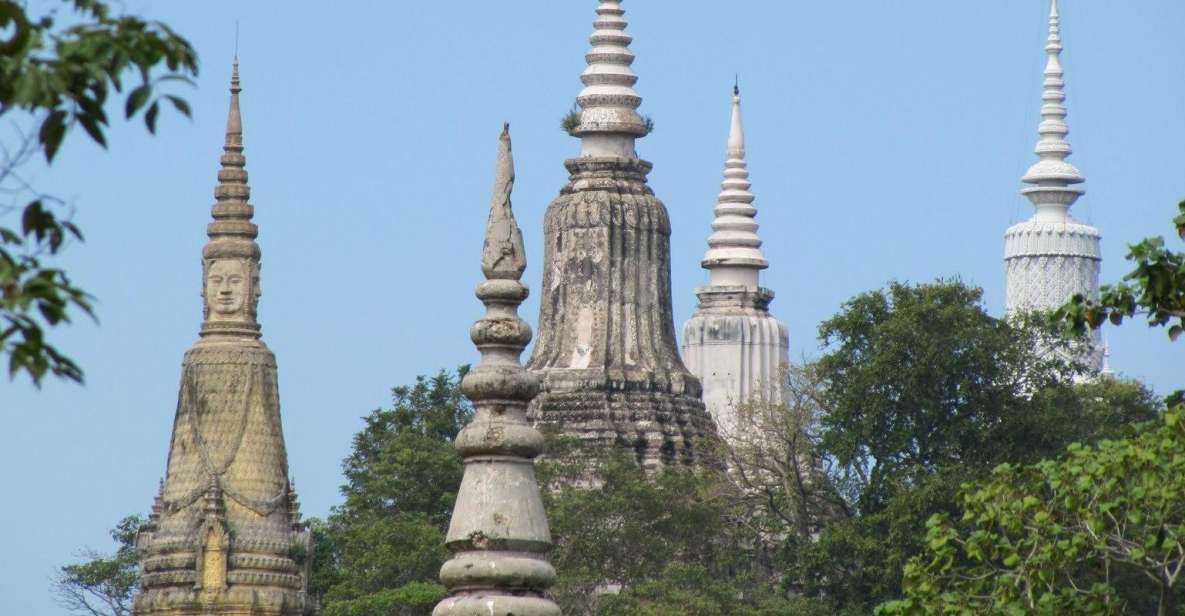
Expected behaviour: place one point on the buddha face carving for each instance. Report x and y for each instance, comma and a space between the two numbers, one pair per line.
226, 290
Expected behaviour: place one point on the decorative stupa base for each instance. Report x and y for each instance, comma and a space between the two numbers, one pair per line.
479, 603
737, 349
658, 420
606, 350
233, 601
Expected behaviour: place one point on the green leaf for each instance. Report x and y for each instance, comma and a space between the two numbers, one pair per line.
137, 99
180, 104
53, 129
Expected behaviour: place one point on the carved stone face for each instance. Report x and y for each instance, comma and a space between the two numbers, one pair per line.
226, 289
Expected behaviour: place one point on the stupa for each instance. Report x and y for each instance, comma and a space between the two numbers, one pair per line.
1051, 257
606, 352
732, 343
224, 536
498, 534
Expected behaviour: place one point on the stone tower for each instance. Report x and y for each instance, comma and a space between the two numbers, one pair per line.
498, 533
732, 343
224, 536
606, 350
1051, 257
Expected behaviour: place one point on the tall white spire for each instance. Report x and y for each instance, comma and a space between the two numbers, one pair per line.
734, 250
1051, 257
609, 120
732, 343
1053, 177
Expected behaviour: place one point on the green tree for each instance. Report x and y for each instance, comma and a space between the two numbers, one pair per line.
926, 391
57, 72
381, 550
103, 585
676, 542
1097, 531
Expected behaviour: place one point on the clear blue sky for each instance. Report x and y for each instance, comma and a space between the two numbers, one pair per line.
886, 141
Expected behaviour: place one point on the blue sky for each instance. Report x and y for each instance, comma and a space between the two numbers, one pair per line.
885, 139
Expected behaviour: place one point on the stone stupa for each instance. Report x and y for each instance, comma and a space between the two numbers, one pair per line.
606, 351
224, 536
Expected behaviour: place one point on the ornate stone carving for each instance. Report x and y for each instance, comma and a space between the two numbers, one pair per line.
498, 533
223, 528
606, 348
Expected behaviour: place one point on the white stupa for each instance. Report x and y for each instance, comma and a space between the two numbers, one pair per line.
1051, 257
732, 343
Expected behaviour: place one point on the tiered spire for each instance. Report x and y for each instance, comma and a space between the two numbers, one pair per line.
1053, 177
734, 250
232, 235
609, 120
499, 533
225, 527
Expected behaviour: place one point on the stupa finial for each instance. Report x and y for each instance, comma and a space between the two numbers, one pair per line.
230, 259
498, 534
1053, 176
609, 120
734, 250
502, 256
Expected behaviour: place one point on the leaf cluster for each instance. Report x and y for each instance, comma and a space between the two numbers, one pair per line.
64, 76
1098, 531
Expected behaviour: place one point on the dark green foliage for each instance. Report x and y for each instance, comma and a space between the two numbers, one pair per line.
62, 77
381, 550
927, 391
411, 599
1099, 530
103, 585
654, 539
693, 590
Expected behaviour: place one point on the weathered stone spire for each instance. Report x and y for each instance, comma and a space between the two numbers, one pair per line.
609, 120
225, 536
732, 343
606, 347
1052, 257
734, 250
499, 533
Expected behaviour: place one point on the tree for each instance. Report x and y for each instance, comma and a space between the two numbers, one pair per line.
1098, 531
628, 542
772, 454
926, 391
103, 585
381, 550
55, 78
1155, 288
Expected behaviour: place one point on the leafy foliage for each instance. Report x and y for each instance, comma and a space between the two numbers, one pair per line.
1095, 531
62, 77
926, 391
381, 550
1098, 531
632, 543
103, 585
